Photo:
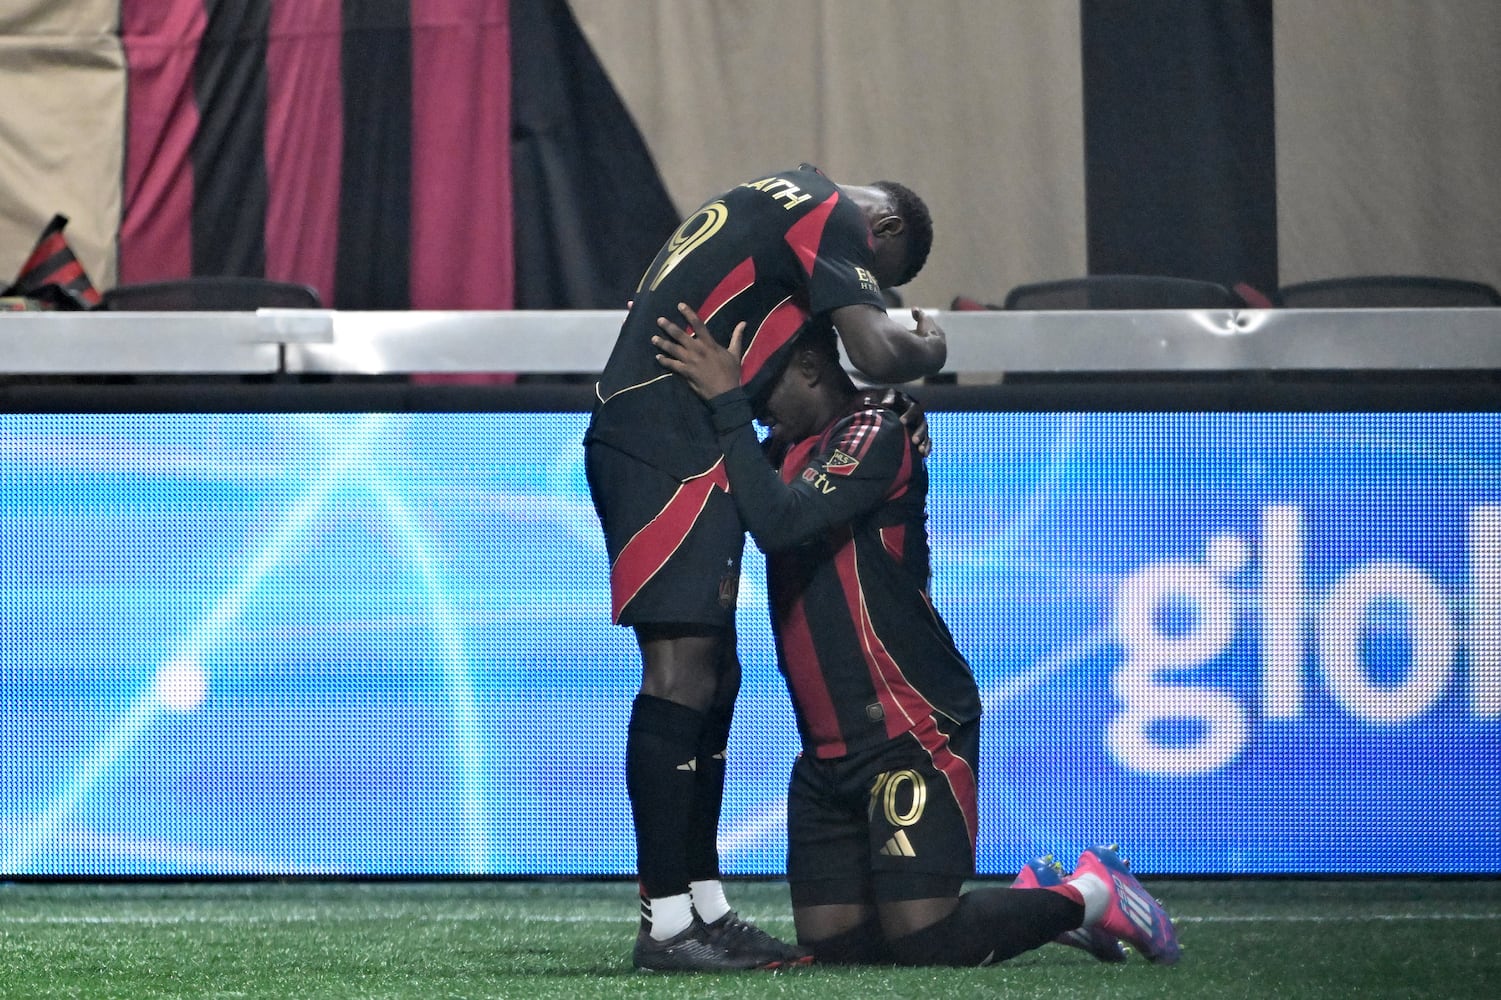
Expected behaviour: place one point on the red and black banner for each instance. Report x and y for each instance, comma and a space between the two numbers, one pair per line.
360, 147
365, 148
52, 272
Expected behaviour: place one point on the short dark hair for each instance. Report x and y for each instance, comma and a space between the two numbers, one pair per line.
818, 336
919, 226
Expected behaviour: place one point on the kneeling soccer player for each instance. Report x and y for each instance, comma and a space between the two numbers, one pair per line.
882, 803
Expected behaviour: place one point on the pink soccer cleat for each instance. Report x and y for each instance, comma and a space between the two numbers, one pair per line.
1043, 872
1133, 915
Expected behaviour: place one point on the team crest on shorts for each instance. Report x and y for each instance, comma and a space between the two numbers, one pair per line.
729, 586
840, 464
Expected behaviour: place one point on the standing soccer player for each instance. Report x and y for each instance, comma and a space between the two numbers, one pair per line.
770, 254
882, 807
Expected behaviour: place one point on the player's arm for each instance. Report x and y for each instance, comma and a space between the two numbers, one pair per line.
782, 515
778, 515
887, 351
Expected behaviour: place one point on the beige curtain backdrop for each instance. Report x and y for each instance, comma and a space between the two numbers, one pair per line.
975, 104
62, 129
1388, 138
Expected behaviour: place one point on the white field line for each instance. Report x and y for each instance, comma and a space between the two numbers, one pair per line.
511, 914
1349, 918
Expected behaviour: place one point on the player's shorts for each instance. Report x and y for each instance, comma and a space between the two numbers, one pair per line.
674, 545
888, 824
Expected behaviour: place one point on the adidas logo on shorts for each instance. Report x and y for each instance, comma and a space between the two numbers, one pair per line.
898, 846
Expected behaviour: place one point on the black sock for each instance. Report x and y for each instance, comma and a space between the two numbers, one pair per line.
990, 925
661, 775
861, 945
708, 797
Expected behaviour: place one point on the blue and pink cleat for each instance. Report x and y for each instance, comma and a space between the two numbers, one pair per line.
1132, 916
1043, 872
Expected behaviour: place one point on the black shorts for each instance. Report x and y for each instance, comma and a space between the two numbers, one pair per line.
893, 823
674, 545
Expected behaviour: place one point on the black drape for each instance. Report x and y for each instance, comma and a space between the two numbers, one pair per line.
1180, 167
229, 145
590, 209
375, 197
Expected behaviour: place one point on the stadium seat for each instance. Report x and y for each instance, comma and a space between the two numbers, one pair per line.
1387, 291
226, 294
1122, 291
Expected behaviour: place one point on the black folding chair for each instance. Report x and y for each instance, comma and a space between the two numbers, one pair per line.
211, 294
1122, 291
1387, 291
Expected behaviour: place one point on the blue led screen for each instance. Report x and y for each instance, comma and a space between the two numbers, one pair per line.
379, 644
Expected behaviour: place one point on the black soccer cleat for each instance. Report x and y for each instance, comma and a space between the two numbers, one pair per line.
692, 950
741, 937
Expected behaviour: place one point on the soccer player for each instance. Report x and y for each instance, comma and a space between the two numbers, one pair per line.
882, 802
769, 253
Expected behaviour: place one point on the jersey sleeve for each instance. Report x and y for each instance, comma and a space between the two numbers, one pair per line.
841, 258
861, 462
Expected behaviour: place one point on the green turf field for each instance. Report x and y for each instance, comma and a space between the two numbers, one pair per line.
536, 939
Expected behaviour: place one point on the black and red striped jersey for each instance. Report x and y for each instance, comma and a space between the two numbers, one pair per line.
770, 252
843, 522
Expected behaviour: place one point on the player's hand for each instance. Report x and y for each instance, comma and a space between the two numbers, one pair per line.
927, 326
913, 418
710, 370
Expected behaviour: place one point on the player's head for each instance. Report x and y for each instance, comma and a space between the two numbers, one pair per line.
811, 388
817, 345
902, 227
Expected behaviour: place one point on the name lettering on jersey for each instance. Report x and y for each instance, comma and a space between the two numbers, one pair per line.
819, 481
691, 235
840, 464
867, 280
788, 193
